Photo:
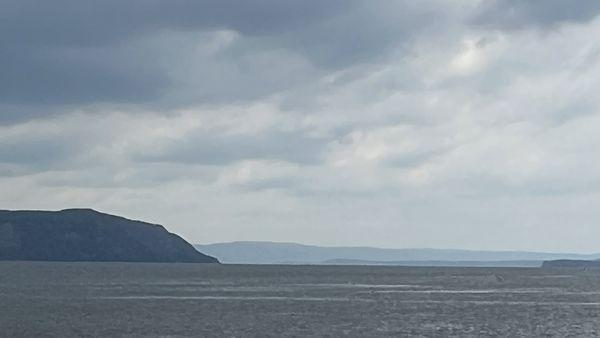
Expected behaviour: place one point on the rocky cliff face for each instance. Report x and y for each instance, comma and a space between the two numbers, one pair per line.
88, 235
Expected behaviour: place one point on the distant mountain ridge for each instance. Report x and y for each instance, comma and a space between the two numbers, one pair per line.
277, 253
88, 235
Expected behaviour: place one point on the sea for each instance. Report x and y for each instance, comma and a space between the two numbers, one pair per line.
210, 300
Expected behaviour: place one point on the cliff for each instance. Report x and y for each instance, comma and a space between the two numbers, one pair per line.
88, 235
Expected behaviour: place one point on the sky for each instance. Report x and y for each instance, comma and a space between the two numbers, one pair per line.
401, 124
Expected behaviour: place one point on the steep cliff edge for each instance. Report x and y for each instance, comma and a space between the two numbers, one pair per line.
88, 235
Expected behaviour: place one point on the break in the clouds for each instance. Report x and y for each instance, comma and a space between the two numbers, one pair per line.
389, 123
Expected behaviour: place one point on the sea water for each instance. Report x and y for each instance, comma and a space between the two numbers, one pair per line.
136, 299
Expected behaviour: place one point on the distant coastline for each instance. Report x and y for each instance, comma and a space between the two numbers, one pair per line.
256, 252
571, 263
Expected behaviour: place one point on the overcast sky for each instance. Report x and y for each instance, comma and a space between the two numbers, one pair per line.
445, 124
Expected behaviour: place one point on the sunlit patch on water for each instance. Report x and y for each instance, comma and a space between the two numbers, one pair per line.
364, 286
244, 298
469, 291
552, 276
497, 302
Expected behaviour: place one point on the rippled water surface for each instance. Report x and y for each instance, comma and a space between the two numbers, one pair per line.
133, 299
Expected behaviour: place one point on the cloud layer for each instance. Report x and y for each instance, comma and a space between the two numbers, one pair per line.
395, 123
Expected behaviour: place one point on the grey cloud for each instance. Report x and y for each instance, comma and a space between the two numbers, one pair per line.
38, 153
78, 53
288, 183
146, 175
517, 14
59, 144
88, 22
71, 52
414, 159
42, 76
215, 149
364, 32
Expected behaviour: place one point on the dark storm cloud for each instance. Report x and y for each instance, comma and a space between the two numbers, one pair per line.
518, 14
87, 22
44, 75
78, 52
70, 52
364, 32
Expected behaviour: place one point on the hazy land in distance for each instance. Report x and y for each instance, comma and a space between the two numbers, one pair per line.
293, 253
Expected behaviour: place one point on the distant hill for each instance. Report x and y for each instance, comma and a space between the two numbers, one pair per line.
88, 235
292, 253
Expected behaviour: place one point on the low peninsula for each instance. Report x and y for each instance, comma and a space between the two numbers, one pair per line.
571, 263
